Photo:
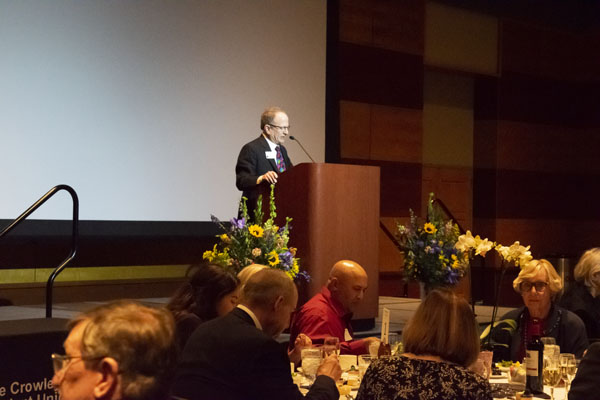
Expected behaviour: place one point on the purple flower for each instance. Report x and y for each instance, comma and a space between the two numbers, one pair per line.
238, 223
452, 277
286, 259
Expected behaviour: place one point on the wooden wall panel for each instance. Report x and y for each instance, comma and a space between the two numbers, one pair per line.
541, 52
453, 186
400, 186
396, 134
390, 258
355, 129
399, 25
542, 100
378, 76
388, 24
356, 22
537, 147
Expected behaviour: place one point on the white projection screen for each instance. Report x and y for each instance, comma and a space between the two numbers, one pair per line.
142, 106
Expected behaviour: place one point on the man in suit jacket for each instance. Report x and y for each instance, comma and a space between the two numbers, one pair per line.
236, 357
264, 158
586, 384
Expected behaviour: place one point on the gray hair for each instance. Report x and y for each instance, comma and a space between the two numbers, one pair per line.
139, 338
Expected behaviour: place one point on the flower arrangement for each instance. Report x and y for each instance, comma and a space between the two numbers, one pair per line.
248, 242
437, 255
431, 256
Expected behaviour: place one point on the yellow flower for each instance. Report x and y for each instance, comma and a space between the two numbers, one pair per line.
429, 228
208, 255
225, 238
273, 258
275, 228
256, 231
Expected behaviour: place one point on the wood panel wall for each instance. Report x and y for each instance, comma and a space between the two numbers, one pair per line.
535, 133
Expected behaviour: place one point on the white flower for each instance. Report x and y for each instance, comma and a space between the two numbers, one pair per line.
483, 247
465, 242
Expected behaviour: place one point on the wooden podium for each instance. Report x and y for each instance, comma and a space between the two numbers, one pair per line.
335, 211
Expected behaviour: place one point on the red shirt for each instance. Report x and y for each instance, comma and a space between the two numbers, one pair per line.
322, 317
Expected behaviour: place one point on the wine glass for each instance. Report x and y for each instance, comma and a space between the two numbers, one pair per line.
551, 374
331, 345
568, 368
311, 360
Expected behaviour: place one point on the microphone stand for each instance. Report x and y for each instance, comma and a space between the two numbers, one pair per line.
302, 147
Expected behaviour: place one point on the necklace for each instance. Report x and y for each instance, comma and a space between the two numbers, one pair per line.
545, 332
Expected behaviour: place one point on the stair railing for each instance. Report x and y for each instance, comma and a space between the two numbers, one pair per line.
74, 236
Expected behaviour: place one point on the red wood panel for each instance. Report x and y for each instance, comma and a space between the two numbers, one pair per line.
400, 186
356, 21
399, 25
537, 147
355, 129
453, 186
378, 76
396, 134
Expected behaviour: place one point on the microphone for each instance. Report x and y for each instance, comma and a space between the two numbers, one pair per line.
302, 147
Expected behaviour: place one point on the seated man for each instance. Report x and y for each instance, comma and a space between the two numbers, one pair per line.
121, 350
236, 356
329, 312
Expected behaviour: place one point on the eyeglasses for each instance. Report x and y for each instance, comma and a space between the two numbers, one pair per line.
60, 362
539, 286
283, 128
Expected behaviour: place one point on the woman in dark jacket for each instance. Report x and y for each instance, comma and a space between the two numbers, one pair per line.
210, 292
583, 298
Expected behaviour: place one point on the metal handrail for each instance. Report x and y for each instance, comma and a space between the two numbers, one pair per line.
74, 236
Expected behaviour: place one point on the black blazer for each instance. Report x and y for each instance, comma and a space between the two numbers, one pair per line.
228, 358
586, 385
251, 164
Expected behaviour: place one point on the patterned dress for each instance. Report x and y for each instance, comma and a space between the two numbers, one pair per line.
403, 378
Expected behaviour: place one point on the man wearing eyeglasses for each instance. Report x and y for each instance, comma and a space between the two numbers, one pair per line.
121, 350
263, 159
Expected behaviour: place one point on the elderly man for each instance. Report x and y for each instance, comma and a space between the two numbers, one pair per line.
121, 350
329, 312
236, 357
264, 158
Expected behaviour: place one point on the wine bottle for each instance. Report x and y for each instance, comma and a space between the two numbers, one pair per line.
535, 360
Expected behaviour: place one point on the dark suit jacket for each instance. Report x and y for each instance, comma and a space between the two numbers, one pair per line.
251, 164
229, 358
586, 385
579, 300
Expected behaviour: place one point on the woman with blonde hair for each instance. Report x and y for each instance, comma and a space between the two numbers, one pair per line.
539, 284
583, 297
441, 341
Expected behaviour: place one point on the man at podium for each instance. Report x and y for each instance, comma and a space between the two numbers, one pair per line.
264, 158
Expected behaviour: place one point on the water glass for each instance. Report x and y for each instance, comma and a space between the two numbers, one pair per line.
374, 348
364, 361
484, 362
331, 345
548, 340
311, 360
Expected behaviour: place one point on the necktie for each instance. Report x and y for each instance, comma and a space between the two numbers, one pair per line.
279, 160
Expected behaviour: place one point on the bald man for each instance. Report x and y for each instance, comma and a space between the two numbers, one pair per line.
329, 312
